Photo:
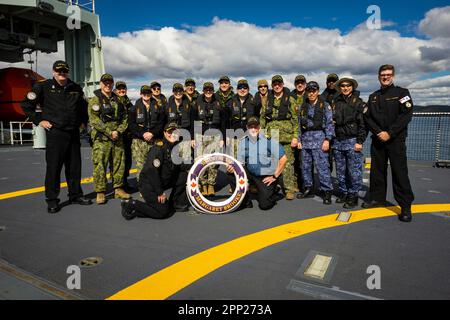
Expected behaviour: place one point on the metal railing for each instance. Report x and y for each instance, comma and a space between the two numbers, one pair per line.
428, 137
20, 131
85, 4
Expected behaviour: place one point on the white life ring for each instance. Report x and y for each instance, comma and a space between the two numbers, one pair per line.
199, 202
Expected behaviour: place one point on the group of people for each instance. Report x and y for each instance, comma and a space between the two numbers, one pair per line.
290, 132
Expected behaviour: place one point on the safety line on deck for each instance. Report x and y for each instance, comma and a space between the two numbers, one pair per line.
169, 281
26, 192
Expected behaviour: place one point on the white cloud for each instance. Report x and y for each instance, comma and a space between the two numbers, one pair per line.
240, 49
436, 23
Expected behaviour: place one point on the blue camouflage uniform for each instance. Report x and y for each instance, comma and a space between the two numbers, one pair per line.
313, 130
350, 130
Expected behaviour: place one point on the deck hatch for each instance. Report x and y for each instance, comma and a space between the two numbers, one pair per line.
90, 262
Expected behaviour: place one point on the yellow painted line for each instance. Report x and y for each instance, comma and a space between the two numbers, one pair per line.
21, 193
367, 166
167, 282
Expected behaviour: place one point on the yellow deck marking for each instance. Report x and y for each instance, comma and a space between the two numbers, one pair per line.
167, 282
21, 193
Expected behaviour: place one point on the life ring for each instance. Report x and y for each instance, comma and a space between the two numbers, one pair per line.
199, 202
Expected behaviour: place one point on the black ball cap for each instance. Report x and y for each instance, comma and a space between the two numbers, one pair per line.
60, 65
253, 121
170, 126
107, 77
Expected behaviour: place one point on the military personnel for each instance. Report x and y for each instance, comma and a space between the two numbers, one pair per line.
209, 114
190, 91
297, 97
158, 175
64, 111
330, 91
389, 112
180, 111
279, 116
225, 92
315, 133
121, 91
239, 109
160, 99
261, 97
328, 95
347, 146
146, 121
264, 161
109, 122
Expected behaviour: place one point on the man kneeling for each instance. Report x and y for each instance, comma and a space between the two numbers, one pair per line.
264, 160
158, 175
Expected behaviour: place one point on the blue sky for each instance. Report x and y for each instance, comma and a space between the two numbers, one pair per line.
345, 15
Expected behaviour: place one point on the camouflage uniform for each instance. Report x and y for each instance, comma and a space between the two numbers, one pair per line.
142, 120
105, 116
312, 135
287, 129
297, 100
127, 140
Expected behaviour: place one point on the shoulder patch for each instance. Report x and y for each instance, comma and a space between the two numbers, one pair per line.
31, 96
366, 108
156, 163
159, 143
408, 105
96, 107
405, 99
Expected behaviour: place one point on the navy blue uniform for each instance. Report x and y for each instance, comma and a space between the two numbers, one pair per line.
390, 109
316, 125
66, 109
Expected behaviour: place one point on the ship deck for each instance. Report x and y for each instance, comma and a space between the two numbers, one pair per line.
248, 254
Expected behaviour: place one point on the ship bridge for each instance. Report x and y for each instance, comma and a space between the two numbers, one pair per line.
37, 25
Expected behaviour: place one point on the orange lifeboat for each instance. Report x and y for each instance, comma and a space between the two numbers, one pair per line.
15, 83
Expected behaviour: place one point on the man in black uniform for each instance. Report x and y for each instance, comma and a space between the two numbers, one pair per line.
388, 113
64, 110
158, 175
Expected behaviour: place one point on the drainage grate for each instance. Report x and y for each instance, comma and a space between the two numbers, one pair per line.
90, 262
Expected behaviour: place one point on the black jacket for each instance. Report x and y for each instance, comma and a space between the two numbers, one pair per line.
210, 114
141, 121
389, 109
64, 107
329, 95
184, 115
348, 117
237, 114
159, 172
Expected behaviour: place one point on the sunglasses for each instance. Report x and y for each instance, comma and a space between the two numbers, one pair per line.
156, 88
242, 88
62, 71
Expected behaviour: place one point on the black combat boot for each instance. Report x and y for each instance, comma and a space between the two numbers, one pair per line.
128, 209
327, 198
308, 193
406, 215
342, 198
352, 201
